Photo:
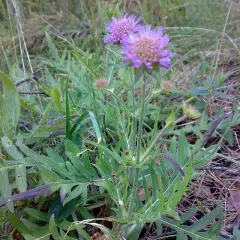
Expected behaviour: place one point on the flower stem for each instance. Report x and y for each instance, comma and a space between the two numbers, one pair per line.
136, 169
154, 142
133, 138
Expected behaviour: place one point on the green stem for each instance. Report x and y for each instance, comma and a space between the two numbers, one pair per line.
154, 142
136, 169
133, 138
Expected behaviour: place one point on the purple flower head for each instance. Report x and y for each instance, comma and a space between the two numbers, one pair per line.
118, 28
147, 47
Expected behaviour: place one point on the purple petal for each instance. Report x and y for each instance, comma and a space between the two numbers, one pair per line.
165, 40
160, 31
146, 47
62, 195
165, 62
165, 53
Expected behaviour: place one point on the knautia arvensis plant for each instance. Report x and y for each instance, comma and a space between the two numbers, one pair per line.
144, 48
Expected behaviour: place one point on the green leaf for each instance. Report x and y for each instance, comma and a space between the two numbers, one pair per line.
205, 220
186, 216
146, 190
17, 224
73, 194
124, 76
78, 122
55, 156
96, 126
68, 117
3, 114
229, 137
53, 50
172, 213
181, 236
236, 233
21, 178
182, 142
42, 233
10, 102
56, 99
74, 154
53, 229
205, 68
36, 214
5, 187
108, 152
132, 231
11, 149
154, 182
61, 212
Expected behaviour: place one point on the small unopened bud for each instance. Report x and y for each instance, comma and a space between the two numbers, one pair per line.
167, 86
190, 111
120, 202
101, 83
118, 181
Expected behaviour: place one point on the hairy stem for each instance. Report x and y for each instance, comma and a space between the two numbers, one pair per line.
154, 142
133, 138
136, 169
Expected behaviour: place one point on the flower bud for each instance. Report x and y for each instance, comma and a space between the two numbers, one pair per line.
167, 86
101, 83
190, 111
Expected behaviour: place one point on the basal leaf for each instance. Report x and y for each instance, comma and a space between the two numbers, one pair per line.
11, 102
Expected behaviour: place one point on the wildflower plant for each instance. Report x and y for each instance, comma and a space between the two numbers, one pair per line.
120, 143
144, 49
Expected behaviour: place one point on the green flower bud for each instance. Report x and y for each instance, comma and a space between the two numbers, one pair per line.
167, 86
170, 120
190, 111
